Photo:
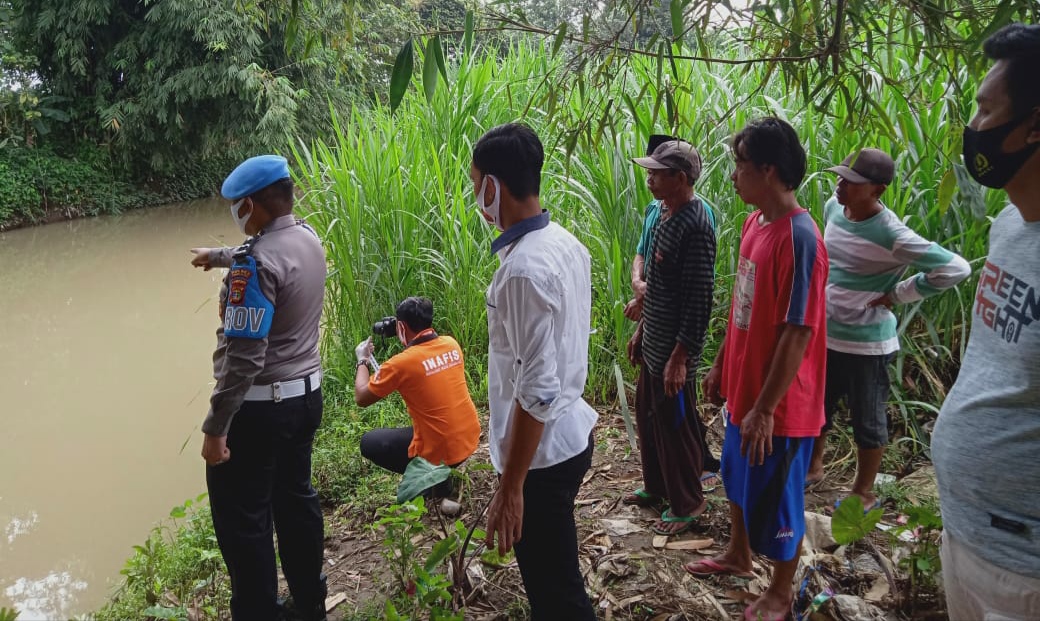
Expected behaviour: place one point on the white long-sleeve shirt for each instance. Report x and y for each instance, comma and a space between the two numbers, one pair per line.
539, 312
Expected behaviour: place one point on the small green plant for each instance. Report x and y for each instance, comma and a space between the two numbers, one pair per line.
179, 564
924, 524
419, 585
8, 614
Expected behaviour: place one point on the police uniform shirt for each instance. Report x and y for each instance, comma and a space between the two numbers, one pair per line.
291, 270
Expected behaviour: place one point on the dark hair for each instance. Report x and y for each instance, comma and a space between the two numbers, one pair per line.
1019, 45
770, 141
416, 313
276, 198
513, 153
657, 140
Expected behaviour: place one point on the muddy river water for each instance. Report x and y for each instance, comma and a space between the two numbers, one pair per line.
106, 333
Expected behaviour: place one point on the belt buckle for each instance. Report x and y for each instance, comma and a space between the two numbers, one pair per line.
276, 392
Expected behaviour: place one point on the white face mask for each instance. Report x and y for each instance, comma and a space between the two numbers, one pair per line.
241, 222
492, 210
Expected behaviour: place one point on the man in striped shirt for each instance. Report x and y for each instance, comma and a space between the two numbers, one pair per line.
870, 251
680, 267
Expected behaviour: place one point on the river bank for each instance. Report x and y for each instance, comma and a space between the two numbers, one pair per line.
43, 185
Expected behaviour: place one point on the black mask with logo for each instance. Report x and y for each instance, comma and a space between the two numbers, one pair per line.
985, 158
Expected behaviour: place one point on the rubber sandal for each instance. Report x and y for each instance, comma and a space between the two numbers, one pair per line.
866, 510
712, 568
641, 498
667, 517
708, 477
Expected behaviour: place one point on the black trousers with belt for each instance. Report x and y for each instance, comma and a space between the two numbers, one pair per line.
547, 552
266, 487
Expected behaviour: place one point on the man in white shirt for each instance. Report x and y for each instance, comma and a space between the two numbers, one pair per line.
539, 429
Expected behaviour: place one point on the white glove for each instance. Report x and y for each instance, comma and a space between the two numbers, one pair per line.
364, 350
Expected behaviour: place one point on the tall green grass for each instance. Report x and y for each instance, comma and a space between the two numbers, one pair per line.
391, 196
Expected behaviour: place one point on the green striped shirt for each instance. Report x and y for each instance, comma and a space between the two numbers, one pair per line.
869, 259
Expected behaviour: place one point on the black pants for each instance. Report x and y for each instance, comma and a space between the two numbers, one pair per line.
268, 477
547, 552
388, 449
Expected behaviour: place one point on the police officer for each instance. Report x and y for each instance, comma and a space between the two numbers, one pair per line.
266, 404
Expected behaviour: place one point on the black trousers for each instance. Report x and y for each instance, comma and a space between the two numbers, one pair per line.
547, 552
388, 448
267, 482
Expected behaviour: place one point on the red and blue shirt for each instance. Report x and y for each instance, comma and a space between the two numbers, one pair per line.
781, 279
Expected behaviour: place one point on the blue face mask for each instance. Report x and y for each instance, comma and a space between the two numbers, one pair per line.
985, 158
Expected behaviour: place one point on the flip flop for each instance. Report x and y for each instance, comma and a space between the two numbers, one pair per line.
708, 477
712, 568
866, 510
750, 614
641, 498
667, 517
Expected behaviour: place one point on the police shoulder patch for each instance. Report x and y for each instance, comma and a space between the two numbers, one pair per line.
248, 313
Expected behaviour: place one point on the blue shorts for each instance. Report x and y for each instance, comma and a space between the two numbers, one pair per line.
772, 496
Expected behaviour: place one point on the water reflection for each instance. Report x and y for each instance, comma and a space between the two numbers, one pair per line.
106, 335
47, 597
19, 525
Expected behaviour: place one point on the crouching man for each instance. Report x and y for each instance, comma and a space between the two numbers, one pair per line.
430, 375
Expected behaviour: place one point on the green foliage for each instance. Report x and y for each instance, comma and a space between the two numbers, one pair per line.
36, 182
169, 80
8, 614
391, 196
340, 474
922, 563
420, 475
177, 567
421, 591
420, 588
851, 523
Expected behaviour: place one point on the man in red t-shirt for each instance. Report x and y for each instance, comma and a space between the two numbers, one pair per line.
430, 375
771, 368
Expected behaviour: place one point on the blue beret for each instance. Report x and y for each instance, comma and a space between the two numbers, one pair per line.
254, 174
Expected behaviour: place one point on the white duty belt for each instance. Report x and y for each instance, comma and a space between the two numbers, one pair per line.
283, 390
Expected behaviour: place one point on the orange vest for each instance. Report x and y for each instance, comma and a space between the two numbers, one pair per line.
431, 379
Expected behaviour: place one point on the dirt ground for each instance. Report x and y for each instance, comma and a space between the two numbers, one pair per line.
627, 576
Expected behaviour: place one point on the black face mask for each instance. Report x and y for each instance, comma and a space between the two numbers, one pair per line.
985, 158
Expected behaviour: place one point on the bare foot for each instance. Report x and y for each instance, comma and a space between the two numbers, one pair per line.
867, 499
814, 476
769, 607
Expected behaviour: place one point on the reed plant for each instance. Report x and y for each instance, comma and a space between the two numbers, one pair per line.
391, 196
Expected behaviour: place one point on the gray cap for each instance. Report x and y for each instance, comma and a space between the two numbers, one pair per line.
673, 155
867, 166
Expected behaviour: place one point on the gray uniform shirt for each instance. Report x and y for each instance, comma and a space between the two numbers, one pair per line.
291, 270
986, 443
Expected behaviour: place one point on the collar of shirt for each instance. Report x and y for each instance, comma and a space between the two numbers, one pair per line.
520, 229
279, 223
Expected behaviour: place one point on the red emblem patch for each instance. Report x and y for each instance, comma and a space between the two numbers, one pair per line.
237, 290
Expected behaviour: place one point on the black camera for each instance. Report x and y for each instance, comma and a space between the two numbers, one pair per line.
387, 326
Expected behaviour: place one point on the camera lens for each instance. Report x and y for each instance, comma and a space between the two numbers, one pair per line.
387, 326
